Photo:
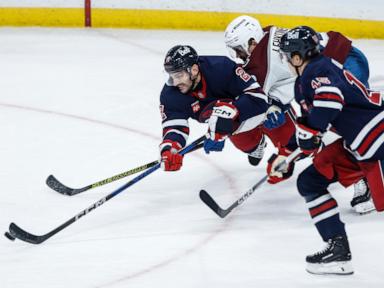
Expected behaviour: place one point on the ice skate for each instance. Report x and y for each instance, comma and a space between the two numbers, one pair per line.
335, 258
255, 157
362, 201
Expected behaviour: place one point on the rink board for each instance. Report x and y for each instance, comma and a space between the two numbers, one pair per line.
170, 19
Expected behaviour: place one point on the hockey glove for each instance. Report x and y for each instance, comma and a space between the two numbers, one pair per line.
221, 124
308, 139
170, 159
211, 145
274, 117
276, 176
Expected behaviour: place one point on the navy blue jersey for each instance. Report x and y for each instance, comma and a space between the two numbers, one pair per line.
332, 97
220, 79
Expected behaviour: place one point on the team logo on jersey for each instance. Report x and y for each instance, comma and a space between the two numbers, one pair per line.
316, 83
195, 106
242, 74
163, 116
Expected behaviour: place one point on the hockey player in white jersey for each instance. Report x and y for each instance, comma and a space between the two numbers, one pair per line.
236, 37
257, 49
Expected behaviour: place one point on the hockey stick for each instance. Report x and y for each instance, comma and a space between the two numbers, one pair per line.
208, 200
23, 235
56, 185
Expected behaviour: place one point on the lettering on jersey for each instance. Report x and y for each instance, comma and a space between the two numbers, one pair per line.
277, 38
316, 83
195, 106
242, 74
163, 116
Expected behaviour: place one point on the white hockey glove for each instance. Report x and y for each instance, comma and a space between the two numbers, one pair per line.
221, 124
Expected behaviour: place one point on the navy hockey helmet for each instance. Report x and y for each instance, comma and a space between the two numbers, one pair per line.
180, 57
301, 40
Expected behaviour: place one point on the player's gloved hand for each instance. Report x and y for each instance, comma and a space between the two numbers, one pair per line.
170, 159
308, 139
214, 145
274, 117
221, 124
284, 172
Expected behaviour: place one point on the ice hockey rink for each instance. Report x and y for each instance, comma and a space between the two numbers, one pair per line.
83, 105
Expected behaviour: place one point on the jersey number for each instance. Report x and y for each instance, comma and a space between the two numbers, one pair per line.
372, 96
242, 74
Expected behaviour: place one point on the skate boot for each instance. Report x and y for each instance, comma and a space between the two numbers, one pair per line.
362, 201
255, 156
335, 258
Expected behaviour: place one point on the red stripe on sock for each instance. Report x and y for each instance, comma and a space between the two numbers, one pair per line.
323, 207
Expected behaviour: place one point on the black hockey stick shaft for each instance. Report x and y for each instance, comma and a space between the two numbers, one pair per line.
23, 235
211, 203
56, 185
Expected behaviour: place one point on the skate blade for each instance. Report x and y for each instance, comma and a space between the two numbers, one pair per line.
333, 268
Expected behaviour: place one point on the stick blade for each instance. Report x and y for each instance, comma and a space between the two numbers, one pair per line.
56, 185
25, 236
208, 200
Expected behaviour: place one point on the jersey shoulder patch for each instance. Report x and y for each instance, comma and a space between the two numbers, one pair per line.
242, 74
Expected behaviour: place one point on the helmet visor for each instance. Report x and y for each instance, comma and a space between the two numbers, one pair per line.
286, 55
174, 78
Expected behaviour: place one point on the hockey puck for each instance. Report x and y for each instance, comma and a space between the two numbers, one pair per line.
9, 236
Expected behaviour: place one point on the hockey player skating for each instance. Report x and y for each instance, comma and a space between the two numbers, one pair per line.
249, 43
258, 49
331, 97
208, 89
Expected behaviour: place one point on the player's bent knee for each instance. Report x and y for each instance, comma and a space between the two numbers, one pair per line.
311, 184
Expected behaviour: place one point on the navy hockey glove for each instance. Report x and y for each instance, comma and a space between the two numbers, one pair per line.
170, 159
211, 145
308, 139
274, 117
221, 124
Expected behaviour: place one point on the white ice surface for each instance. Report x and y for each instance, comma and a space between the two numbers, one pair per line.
83, 105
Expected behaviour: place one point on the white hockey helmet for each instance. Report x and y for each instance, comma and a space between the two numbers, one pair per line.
240, 31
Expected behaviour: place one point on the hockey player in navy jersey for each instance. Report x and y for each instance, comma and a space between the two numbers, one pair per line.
258, 49
331, 97
207, 89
